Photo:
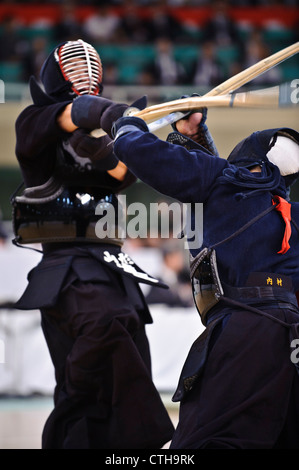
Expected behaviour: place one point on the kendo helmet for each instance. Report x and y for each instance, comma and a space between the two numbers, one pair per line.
73, 68
278, 146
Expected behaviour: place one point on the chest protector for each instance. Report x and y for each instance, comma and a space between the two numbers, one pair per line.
77, 204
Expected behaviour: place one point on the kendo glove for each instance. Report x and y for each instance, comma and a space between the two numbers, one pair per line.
99, 150
128, 124
203, 136
203, 111
95, 112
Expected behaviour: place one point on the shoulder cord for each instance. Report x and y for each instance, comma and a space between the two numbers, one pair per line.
295, 225
258, 311
246, 226
12, 197
15, 241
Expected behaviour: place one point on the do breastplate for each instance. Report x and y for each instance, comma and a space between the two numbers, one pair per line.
71, 169
53, 213
77, 204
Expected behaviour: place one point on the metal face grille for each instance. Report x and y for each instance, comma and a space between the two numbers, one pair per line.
81, 66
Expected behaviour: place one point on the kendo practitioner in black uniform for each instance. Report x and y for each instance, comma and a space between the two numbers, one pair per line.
239, 386
93, 311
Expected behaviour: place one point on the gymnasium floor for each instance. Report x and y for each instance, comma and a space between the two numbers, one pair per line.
22, 420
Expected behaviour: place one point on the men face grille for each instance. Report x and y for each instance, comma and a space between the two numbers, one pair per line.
81, 66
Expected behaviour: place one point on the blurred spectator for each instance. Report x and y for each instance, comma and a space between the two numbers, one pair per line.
110, 74
165, 69
256, 49
207, 70
174, 273
68, 27
147, 77
102, 25
221, 28
34, 57
296, 31
10, 40
132, 27
163, 24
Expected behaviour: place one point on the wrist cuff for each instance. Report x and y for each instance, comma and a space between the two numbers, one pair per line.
125, 130
128, 124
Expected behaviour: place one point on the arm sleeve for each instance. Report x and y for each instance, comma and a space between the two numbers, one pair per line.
170, 169
37, 128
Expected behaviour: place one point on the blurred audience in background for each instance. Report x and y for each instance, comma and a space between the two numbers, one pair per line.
101, 25
165, 69
163, 24
132, 27
175, 273
216, 40
34, 57
68, 25
10, 39
206, 69
221, 27
255, 49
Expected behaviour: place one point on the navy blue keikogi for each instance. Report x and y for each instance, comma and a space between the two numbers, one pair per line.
238, 387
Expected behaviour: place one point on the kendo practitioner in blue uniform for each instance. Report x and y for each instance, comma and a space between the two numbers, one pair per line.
93, 311
239, 387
